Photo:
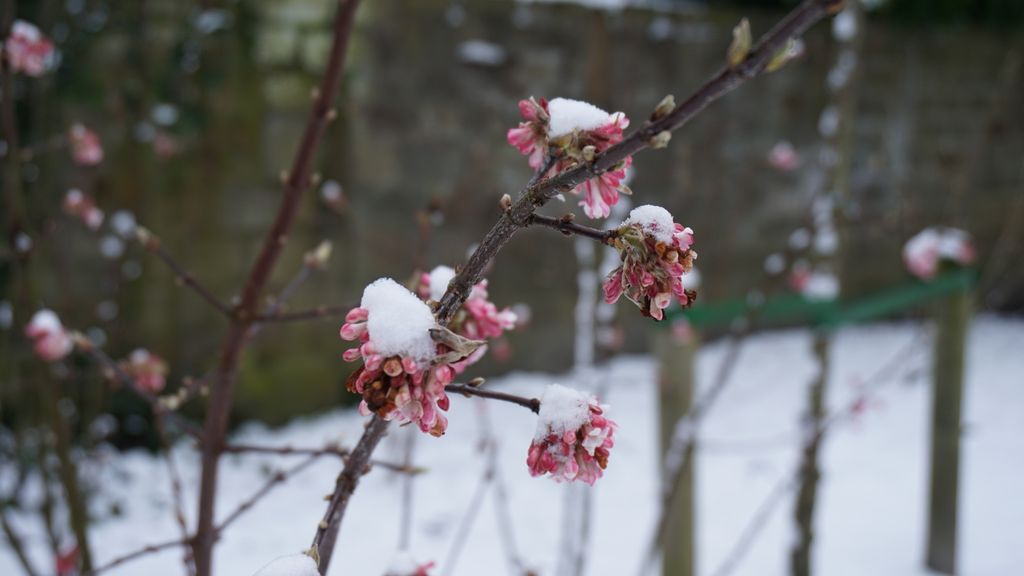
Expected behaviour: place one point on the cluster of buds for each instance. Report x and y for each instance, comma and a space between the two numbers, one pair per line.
51, 341
477, 319
406, 357
27, 50
655, 253
930, 248
148, 370
574, 132
573, 438
83, 207
86, 149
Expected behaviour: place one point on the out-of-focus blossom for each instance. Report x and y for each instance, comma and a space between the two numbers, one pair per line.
165, 145
783, 157
574, 132
83, 207
929, 249
405, 565
655, 253
477, 319
51, 340
402, 377
86, 149
148, 370
27, 50
66, 562
573, 438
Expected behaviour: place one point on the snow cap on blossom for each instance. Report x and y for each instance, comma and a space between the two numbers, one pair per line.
51, 340
655, 253
27, 50
402, 377
405, 565
148, 369
86, 149
925, 252
573, 438
575, 131
291, 565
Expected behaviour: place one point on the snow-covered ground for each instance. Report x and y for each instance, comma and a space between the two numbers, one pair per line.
872, 503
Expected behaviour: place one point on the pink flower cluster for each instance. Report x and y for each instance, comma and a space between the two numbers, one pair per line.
477, 319
398, 379
83, 207
86, 149
924, 253
148, 370
27, 50
655, 253
573, 438
574, 131
51, 341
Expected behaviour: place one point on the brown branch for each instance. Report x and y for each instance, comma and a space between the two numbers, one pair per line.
330, 449
298, 181
153, 245
16, 543
311, 314
538, 193
176, 492
567, 226
532, 403
144, 551
756, 524
276, 478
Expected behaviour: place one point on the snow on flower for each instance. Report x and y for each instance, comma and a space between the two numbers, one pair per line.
51, 340
83, 207
28, 50
86, 149
291, 565
574, 131
573, 438
477, 319
405, 565
399, 379
148, 370
926, 251
655, 254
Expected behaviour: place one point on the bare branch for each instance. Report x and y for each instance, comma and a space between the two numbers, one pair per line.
153, 245
329, 450
532, 403
566, 226
311, 314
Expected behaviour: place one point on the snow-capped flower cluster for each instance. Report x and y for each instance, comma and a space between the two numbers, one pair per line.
148, 370
27, 50
477, 319
655, 252
399, 379
51, 340
405, 565
83, 207
86, 149
924, 253
573, 438
574, 131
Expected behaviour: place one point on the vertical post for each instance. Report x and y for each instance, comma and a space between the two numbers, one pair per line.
676, 383
952, 318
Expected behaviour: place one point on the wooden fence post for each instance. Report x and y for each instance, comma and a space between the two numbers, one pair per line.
676, 386
952, 319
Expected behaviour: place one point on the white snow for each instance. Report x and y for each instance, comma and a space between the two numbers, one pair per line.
399, 323
403, 564
873, 492
293, 565
821, 286
46, 320
26, 31
439, 279
844, 25
482, 53
562, 409
569, 115
654, 220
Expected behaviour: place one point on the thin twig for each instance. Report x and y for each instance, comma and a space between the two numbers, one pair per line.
567, 226
532, 403
176, 492
753, 529
144, 551
153, 245
299, 315
276, 478
16, 543
330, 449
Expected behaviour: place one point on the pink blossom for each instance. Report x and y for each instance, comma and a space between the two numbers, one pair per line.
28, 50
925, 252
148, 370
83, 207
583, 130
573, 438
783, 157
399, 379
86, 149
655, 253
51, 340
